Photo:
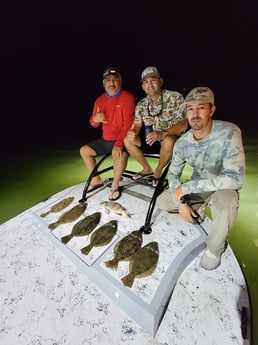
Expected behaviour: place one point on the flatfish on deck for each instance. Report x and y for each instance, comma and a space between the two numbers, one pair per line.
126, 248
101, 237
84, 227
70, 215
143, 264
114, 207
59, 206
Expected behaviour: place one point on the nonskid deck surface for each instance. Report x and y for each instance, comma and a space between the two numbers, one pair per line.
202, 307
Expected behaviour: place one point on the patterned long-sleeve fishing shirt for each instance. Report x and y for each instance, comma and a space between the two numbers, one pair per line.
218, 160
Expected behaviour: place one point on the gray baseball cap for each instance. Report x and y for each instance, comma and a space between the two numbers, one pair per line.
150, 71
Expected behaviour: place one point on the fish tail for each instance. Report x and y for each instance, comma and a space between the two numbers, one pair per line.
44, 214
66, 239
128, 280
86, 250
111, 263
52, 226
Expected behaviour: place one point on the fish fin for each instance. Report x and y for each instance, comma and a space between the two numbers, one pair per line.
111, 263
86, 250
128, 280
66, 239
105, 209
52, 226
44, 214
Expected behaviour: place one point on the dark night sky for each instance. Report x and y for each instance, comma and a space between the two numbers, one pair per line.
52, 58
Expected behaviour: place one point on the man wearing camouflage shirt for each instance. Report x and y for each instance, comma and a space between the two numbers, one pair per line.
159, 112
215, 152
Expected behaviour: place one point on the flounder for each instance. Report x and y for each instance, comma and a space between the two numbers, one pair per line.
126, 248
59, 206
143, 264
115, 207
84, 227
101, 237
70, 215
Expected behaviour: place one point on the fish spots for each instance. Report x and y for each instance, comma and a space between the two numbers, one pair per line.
101, 237
69, 216
61, 205
143, 264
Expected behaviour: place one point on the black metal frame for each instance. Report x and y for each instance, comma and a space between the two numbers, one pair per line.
162, 184
95, 172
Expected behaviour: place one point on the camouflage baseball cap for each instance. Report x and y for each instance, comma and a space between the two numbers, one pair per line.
150, 71
200, 94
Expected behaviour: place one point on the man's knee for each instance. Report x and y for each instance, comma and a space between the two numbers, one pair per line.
225, 199
168, 143
225, 202
82, 150
126, 141
164, 201
170, 139
131, 144
86, 150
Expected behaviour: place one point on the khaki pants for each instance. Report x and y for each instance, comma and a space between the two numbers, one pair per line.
223, 204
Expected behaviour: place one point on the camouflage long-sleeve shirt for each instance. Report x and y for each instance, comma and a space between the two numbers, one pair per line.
163, 114
218, 160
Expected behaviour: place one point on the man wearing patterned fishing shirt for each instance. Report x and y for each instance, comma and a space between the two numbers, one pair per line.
214, 150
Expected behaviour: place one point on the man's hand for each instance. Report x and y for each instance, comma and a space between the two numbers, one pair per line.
187, 213
99, 116
117, 153
131, 134
153, 136
178, 194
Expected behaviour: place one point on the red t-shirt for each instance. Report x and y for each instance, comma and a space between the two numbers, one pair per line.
119, 114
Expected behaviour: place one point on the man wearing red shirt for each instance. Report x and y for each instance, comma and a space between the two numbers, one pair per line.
114, 111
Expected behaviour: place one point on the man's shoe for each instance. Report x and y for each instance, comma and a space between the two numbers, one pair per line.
115, 191
209, 261
140, 176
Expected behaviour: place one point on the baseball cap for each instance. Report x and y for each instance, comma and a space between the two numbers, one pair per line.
150, 71
110, 71
200, 94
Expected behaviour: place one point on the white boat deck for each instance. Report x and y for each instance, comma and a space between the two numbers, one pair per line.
50, 293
